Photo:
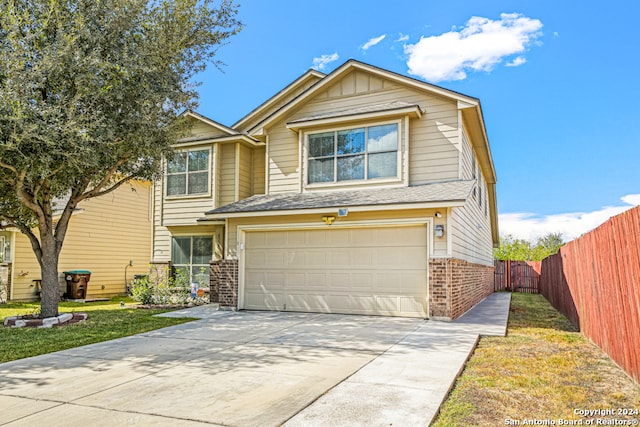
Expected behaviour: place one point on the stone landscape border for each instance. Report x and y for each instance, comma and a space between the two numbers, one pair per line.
48, 322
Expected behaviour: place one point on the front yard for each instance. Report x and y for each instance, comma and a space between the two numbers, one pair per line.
106, 321
542, 370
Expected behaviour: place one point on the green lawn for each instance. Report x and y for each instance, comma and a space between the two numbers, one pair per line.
106, 321
542, 370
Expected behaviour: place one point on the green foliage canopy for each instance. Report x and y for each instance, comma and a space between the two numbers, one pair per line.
90, 93
524, 250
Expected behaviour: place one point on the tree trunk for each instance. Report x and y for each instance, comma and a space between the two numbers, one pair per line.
49, 270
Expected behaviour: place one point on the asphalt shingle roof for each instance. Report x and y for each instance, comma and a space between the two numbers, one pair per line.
451, 191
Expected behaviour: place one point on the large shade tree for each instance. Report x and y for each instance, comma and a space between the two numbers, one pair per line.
90, 97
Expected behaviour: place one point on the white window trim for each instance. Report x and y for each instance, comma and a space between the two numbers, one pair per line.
208, 193
399, 178
192, 235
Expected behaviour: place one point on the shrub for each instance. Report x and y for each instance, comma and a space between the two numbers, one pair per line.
176, 290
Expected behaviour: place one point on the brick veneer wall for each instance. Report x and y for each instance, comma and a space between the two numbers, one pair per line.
455, 286
224, 282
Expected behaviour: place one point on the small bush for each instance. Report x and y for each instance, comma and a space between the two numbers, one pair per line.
174, 291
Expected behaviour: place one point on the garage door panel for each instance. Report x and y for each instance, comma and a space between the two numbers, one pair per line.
369, 270
306, 302
411, 305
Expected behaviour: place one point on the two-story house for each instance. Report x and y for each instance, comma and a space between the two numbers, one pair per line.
359, 191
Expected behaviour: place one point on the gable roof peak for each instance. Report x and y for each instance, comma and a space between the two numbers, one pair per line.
202, 118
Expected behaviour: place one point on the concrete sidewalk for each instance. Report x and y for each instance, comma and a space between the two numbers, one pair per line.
407, 384
253, 368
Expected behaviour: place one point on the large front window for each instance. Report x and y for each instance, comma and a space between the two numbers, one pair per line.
188, 173
353, 154
192, 254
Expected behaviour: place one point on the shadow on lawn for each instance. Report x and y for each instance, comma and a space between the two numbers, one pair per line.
534, 311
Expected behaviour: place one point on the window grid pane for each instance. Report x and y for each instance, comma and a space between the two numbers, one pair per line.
350, 168
321, 170
351, 141
176, 184
178, 163
321, 144
383, 165
383, 138
198, 182
198, 160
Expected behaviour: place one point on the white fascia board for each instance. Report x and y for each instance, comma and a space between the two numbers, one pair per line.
219, 140
413, 111
373, 208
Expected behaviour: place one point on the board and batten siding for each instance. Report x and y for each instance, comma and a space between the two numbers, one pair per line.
245, 181
103, 236
227, 175
470, 225
258, 170
434, 139
283, 169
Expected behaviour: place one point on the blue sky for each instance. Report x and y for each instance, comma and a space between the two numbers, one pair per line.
558, 83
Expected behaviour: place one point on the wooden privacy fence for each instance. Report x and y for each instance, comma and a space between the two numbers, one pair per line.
595, 281
517, 276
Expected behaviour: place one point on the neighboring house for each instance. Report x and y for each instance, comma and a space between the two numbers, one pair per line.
360, 191
104, 235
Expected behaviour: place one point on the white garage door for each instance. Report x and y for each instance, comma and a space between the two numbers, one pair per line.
371, 270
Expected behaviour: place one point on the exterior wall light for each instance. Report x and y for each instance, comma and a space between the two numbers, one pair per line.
328, 219
439, 230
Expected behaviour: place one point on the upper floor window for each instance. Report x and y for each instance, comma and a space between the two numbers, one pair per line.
188, 173
353, 154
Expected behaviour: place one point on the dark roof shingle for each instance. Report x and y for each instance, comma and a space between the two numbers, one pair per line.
452, 191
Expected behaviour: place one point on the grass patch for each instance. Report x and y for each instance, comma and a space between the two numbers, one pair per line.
543, 370
106, 321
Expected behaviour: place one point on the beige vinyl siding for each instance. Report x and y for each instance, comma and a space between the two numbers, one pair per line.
284, 171
244, 173
200, 130
227, 180
185, 211
439, 244
434, 139
258, 171
470, 226
103, 237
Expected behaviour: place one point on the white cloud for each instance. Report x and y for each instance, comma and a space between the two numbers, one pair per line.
516, 62
321, 62
530, 226
478, 46
372, 42
403, 38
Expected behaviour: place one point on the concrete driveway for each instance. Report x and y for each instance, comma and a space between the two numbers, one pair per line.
252, 369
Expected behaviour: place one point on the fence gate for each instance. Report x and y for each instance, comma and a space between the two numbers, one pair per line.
517, 276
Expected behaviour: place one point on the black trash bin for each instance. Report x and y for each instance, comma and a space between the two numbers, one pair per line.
77, 283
